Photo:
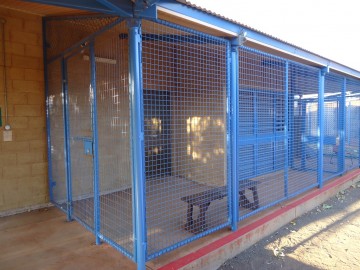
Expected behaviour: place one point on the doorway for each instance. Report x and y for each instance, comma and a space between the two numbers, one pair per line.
157, 121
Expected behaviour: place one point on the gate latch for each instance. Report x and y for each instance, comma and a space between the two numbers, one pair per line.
88, 144
88, 147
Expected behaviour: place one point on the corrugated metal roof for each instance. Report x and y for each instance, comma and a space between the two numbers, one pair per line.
350, 71
190, 4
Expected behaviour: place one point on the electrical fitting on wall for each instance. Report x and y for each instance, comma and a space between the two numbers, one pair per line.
7, 132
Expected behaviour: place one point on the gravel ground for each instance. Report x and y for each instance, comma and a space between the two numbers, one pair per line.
327, 237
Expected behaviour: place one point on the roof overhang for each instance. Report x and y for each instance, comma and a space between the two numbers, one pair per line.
181, 13
255, 39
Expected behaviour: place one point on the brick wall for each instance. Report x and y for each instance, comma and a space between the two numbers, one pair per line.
23, 161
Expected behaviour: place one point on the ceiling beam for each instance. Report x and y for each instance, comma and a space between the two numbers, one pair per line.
145, 8
123, 8
88, 5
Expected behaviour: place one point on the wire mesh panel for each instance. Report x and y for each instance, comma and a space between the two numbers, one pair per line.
261, 140
76, 29
80, 141
333, 123
352, 128
111, 52
55, 102
303, 127
185, 84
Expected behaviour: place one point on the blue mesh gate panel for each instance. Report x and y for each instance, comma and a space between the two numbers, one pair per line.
55, 105
352, 127
80, 141
303, 127
332, 126
261, 134
185, 85
112, 72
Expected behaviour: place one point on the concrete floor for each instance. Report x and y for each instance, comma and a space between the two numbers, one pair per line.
43, 239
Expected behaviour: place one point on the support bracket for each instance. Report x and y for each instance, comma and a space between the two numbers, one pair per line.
239, 40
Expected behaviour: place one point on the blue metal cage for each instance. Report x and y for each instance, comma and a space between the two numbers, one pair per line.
159, 134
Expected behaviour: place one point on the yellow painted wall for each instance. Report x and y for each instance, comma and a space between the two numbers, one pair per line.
23, 161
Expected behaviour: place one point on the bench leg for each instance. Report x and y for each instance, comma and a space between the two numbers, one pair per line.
189, 220
200, 224
244, 202
256, 197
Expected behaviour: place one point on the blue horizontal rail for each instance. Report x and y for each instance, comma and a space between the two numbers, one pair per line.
246, 140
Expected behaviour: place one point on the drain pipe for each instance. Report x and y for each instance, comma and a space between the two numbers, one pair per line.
2, 23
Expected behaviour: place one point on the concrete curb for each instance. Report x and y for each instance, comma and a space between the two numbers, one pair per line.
212, 255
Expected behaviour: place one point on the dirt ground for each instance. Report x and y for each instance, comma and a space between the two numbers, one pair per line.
328, 237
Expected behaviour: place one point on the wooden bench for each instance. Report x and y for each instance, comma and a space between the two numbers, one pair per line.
203, 200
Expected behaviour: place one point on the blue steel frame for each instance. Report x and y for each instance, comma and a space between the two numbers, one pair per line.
261, 38
137, 142
209, 231
229, 139
303, 129
290, 111
84, 40
67, 153
137, 131
341, 128
125, 8
234, 86
286, 131
95, 147
67, 141
321, 125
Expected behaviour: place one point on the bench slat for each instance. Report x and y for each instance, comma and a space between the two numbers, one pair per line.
216, 193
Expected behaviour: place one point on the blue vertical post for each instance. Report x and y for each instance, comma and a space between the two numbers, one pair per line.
303, 133
256, 126
341, 129
47, 107
321, 121
348, 122
234, 94
358, 134
67, 152
274, 143
137, 141
95, 143
291, 130
286, 131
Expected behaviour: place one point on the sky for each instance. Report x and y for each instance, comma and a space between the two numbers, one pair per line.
330, 28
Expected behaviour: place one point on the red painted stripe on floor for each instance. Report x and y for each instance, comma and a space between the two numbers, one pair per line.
187, 259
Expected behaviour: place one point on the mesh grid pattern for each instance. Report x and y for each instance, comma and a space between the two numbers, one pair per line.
352, 103
72, 30
261, 126
79, 108
303, 127
185, 84
111, 50
332, 125
55, 104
